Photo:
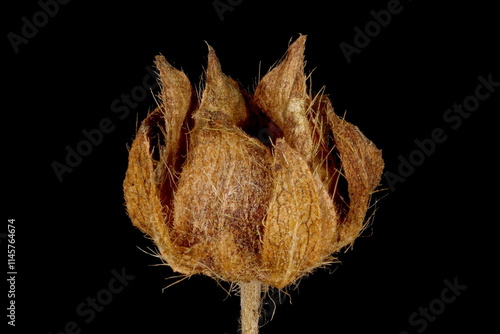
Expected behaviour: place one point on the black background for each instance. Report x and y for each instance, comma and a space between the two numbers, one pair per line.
439, 224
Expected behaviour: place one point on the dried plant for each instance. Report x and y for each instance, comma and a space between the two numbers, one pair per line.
255, 190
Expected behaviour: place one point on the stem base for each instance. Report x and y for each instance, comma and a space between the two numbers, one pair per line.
251, 304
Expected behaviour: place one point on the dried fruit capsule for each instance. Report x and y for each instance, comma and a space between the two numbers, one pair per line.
219, 200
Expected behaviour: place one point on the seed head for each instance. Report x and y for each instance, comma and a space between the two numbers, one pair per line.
249, 188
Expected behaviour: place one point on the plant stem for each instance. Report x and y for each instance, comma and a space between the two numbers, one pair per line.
251, 303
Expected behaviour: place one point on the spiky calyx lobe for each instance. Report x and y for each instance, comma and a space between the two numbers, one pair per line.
220, 201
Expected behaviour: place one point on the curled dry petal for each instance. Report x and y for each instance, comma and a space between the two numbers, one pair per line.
219, 199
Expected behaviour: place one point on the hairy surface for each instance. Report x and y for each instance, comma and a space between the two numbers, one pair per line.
220, 199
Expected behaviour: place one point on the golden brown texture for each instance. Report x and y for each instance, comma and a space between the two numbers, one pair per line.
220, 200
